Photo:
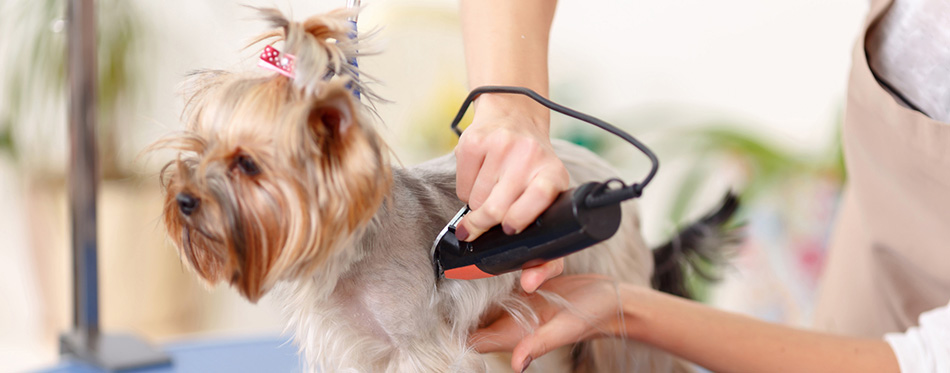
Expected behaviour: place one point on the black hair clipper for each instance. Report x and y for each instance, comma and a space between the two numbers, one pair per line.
577, 219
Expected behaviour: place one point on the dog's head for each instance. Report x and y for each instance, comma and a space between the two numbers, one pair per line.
274, 174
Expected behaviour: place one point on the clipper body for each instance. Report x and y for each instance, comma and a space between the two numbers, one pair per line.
564, 228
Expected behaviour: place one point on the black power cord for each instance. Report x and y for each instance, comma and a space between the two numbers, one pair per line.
604, 195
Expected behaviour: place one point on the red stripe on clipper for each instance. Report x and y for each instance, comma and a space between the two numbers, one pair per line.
469, 272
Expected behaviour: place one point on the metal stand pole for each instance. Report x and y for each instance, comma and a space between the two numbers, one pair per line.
112, 352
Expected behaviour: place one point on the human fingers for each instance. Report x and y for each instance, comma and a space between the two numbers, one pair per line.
562, 330
485, 182
532, 278
495, 206
537, 196
501, 336
469, 157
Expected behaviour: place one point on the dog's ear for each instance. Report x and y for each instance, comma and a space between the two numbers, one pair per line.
333, 115
351, 175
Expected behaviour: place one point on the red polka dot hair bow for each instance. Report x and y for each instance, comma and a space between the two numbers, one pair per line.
273, 60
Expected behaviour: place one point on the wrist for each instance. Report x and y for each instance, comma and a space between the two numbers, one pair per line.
638, 304
525, 109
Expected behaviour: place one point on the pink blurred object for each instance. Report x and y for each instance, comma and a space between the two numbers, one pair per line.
273, 60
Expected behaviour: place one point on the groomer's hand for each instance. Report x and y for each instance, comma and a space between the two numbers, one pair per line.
508, 172
597, 306
596, 311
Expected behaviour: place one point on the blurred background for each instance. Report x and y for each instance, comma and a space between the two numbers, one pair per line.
732, 94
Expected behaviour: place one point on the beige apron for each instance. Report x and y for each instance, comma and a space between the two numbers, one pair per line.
889, 257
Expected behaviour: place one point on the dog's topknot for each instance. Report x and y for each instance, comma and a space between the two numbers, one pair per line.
324, 46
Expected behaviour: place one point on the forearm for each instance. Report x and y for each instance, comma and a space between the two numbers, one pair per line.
506, 43
727, 342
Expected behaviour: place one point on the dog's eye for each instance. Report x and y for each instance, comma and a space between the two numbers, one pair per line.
247, 165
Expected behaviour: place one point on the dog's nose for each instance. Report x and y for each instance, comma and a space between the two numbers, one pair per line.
186, 203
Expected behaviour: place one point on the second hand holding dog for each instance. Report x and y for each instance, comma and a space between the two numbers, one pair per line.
597, 306
508, 172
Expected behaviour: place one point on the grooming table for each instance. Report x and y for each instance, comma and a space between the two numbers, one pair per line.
263, 354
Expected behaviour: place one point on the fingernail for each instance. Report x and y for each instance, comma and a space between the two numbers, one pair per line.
461, 233
526, 363
508, 229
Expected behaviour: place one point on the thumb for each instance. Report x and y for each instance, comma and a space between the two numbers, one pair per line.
562, 330
532, 278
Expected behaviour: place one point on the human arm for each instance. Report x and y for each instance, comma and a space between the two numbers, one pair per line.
718, 340
507, 170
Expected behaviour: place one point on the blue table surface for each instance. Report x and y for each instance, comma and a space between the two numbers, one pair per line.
265, 354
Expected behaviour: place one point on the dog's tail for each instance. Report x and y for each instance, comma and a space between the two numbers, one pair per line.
699, 248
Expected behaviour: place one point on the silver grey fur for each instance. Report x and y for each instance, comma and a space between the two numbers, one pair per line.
377, 307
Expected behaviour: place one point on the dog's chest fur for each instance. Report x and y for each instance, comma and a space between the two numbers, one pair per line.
385, 299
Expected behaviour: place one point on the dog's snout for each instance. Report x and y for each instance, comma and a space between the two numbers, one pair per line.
187, 203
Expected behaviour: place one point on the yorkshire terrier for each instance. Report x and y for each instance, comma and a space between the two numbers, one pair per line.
283, 186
